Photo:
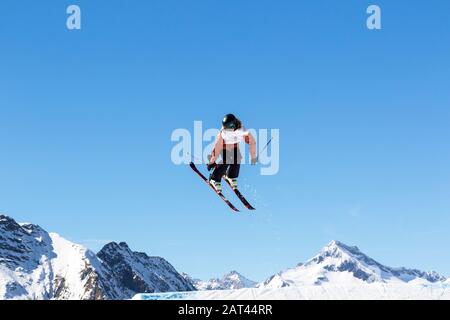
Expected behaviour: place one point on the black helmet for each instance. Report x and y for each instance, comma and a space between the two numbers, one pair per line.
230, 121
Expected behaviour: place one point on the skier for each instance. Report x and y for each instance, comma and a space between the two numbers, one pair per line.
227, 145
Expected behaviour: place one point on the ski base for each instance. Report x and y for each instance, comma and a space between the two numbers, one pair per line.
220, 194
240, 196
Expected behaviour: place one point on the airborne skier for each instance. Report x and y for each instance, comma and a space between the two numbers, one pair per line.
227, 145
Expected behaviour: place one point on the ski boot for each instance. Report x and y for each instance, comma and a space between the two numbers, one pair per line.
233, 182
216, 185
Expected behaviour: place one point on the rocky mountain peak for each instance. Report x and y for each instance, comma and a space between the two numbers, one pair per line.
35, 264
338, 262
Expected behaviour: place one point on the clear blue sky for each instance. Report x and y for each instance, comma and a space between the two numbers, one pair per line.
86, 118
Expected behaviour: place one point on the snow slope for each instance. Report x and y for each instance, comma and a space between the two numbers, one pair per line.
77, 272
364, 291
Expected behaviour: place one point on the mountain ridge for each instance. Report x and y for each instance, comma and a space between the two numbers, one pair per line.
229, 281
338, 262
36, 264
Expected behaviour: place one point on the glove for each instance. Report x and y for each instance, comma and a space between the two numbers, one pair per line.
254, 161
211, 166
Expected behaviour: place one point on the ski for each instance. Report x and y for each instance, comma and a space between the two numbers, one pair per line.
240, 196
220, 194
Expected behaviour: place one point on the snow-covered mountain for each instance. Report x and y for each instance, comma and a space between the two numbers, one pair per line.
137, 272
338, 272
230, 281
35, 264
338, 263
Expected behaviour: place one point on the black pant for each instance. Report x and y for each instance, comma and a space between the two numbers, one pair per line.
230, 165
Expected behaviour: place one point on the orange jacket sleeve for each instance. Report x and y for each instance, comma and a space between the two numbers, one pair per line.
252, 142
218, 146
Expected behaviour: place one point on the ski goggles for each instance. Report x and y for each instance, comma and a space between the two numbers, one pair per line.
230, 126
